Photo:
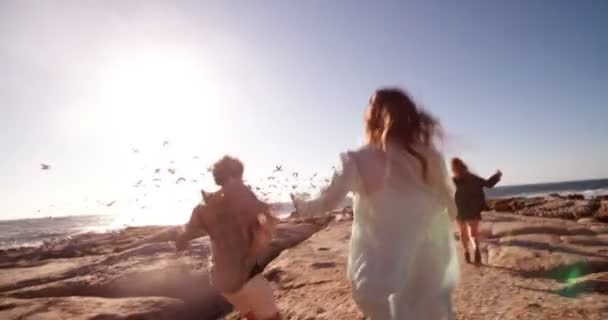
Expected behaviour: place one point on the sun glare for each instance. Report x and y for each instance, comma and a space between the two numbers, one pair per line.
154, 94
147, 99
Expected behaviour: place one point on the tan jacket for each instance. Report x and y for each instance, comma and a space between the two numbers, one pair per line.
230, 218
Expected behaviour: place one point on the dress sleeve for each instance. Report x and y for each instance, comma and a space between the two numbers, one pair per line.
342, 182
446, 189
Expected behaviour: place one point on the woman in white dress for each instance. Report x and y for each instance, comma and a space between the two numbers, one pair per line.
402, 261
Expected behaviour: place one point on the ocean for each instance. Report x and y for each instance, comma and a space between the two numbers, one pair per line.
588, 188
33, 232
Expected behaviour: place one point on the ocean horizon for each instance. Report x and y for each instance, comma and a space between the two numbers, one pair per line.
35, 231
588, 188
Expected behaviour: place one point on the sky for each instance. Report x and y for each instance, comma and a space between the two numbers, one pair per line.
520, 86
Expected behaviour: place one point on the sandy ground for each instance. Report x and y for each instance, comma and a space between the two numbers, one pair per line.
517, 281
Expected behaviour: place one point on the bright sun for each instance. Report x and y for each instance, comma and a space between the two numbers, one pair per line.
160, 93
146, 99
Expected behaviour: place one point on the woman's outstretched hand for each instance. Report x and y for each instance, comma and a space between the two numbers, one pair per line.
499, 174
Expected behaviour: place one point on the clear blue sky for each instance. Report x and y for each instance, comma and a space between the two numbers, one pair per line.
518, 85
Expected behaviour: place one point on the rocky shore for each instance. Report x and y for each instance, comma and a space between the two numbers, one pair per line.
570, 207
543, 258
131, 274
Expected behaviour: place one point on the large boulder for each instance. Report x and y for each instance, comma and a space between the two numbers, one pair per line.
562, 208
602, 212
501, 205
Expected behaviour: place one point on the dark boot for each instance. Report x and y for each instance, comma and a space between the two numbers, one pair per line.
467, 257
477, 256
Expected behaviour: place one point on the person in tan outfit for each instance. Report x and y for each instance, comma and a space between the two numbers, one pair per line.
239, 226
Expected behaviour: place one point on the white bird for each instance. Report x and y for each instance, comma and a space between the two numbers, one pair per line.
45, 166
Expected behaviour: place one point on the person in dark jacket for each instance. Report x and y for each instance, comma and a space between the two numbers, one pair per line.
470, 201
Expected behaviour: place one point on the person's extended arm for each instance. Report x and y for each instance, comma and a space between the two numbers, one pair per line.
341, 183
192, 229
493, 180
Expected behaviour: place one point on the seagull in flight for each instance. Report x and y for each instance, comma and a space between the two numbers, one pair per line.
180, 179
171, 170
157, 171
278, 168
109, 204
45, 166
135, 150
165, 143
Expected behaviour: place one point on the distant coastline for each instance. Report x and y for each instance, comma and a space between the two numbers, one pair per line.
588, 188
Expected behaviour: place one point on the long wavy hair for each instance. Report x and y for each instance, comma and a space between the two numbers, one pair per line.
392, 116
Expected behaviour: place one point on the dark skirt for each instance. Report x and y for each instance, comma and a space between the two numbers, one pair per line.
468, 215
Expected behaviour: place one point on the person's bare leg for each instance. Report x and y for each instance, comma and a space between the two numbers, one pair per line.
260, 299
249, 316
474, 226
464, 239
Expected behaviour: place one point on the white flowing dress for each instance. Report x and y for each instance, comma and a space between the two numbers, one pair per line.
402, 260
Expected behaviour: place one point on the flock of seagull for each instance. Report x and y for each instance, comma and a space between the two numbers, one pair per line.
272, 186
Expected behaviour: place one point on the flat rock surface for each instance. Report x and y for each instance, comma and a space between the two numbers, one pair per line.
137, 275
532, 270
